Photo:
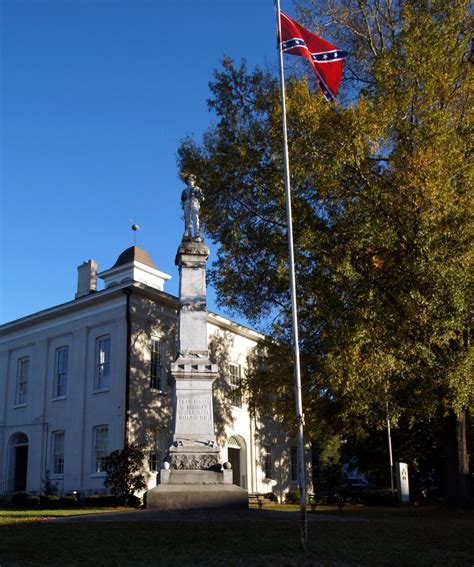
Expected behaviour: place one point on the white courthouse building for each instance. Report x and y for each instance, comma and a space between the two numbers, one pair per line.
81, 379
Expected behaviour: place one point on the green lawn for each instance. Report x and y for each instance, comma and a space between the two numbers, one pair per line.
20, 516
391, 536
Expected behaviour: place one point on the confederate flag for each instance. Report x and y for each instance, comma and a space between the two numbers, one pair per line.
326, 59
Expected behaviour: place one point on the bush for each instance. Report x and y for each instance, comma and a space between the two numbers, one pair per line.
134, 501
377, 497
19, 499
32, 502
76, 494
49, 501
68, 502
103, 501
25, 500
292, 497
124, 471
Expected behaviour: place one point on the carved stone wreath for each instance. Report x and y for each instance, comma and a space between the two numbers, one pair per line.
193, 462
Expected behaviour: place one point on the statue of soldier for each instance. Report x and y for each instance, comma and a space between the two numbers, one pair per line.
191, 198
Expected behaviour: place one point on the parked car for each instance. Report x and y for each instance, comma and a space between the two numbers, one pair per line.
354, 488
357, 484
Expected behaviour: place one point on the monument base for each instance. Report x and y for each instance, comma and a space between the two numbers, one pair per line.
191, 490
193, 457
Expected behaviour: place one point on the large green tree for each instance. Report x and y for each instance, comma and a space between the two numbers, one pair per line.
382, 199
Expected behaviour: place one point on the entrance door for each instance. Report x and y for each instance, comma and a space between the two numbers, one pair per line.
21, 467
234, 460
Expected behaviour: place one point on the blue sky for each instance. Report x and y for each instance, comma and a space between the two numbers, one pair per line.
95, 98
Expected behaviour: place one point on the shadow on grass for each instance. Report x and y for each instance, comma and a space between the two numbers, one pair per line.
402, 538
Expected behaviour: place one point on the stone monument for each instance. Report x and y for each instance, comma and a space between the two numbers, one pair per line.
193, 476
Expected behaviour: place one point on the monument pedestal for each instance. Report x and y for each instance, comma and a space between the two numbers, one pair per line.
194, 442
194, 477
196, 489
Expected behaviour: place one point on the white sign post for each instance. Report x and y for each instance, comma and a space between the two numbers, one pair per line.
403, 488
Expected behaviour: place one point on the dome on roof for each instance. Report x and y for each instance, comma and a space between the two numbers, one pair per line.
134, 254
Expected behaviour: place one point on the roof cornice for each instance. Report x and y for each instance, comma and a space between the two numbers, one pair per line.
228, 325
90, 300
111, 293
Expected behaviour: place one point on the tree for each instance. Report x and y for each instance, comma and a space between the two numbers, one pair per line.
382, 205
124, 471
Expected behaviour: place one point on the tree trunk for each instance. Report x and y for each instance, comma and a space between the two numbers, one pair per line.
457, 481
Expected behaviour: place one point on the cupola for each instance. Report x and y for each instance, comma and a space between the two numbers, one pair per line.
134, 265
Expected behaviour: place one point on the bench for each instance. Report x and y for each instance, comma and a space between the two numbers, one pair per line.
258, 499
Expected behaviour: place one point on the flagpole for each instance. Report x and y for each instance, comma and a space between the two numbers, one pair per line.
296, 350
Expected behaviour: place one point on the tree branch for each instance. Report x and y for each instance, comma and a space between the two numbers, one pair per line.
368, 37
257, 215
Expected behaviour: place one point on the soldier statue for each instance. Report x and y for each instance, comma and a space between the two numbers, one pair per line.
191, 198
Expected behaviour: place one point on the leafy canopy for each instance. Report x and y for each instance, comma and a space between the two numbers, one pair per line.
382, 207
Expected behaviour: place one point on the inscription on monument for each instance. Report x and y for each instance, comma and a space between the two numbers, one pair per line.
194, 409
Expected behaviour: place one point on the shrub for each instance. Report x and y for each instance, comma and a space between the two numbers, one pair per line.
25, 500
68, 502
134, 501
98, 501
19, 499
292, 497
124, 471
377, 497
32, 501
49, 501
76, 495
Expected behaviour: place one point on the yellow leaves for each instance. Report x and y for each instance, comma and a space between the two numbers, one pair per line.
377, 262
380, 215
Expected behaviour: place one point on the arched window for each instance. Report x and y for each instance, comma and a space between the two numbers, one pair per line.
233, 443
20, 439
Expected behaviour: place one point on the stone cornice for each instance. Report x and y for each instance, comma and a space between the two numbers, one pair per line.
103, 296
91, 300
228, 325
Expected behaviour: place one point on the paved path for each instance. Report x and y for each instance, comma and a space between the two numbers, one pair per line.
252, 515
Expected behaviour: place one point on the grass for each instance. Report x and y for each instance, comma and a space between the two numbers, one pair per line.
389, 536
9, 516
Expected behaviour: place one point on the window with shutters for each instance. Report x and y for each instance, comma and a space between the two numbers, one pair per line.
267, 461
60, 372
155, 452
102, 378
234, 382
156, 364
23, 368
57, 453
100, 448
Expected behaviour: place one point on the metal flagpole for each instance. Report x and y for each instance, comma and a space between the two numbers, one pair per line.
296, 350
390, 455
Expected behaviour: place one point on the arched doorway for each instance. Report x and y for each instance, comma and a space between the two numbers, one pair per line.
19, 461
237, 457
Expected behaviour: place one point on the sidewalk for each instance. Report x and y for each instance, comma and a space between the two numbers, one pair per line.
250, 515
